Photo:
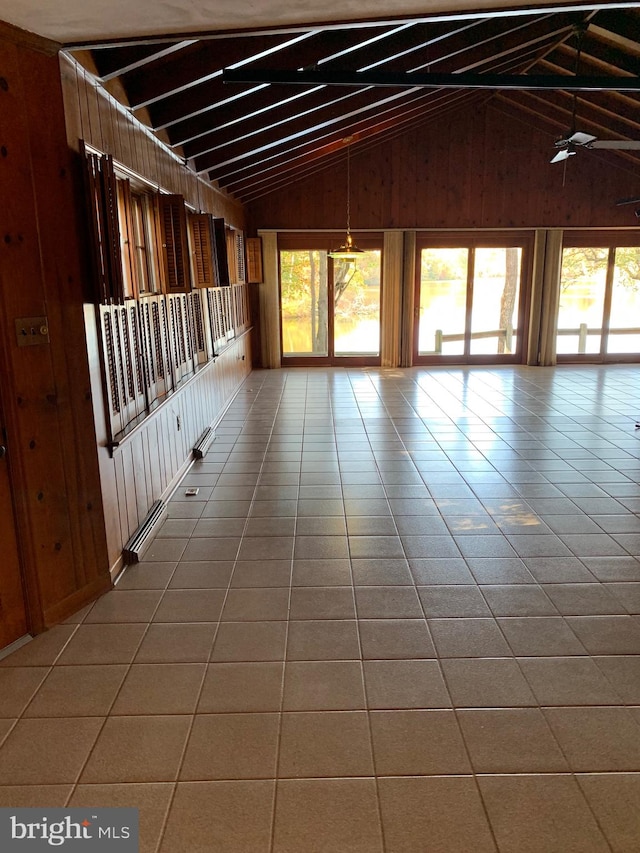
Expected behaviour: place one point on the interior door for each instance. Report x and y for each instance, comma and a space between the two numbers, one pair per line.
13, 615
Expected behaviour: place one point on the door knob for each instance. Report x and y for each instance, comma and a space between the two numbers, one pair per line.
3, 451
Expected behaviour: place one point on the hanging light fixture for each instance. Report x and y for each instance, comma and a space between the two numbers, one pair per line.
347, 251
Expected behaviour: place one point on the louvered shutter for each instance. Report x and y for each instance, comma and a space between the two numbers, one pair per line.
102, 203
175, 252
203, 258
254, 260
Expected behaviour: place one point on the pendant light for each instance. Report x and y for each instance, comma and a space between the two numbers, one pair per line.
347, 251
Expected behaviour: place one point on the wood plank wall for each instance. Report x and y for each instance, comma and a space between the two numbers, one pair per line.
484, 168
46, 388
97, 118
150, 461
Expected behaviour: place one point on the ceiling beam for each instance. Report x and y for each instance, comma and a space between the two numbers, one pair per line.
548, 82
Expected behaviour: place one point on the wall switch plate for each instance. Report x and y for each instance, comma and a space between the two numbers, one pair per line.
191, 492
31, 331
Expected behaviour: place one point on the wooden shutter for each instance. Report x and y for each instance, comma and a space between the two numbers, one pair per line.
172, 219
131, 286
254, 260
203, 257
102, 202
220, 236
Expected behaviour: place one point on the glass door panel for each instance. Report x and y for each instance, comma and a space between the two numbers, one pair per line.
304, 302
356, 303
443, 301
624, 316
583, 283
496, 296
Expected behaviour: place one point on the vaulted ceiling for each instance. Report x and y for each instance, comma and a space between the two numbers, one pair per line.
252, 136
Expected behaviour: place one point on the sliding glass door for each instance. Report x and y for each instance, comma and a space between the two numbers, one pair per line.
329, 308
599, 311
469, 300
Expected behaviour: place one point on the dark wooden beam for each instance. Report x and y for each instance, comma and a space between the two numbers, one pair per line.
548, 82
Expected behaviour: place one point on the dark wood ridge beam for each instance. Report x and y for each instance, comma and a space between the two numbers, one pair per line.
548, 82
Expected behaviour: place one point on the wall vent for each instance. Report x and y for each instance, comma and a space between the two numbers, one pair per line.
143, 537
203, 443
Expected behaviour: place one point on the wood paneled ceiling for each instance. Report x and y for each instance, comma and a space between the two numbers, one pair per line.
253, 137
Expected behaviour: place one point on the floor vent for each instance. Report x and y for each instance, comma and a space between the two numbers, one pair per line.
203, 443
142, 538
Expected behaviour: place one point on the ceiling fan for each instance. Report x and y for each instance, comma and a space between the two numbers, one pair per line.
568, 145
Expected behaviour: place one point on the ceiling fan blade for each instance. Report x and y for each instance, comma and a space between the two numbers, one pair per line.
562, 155
631, 200
580, 138
619, 144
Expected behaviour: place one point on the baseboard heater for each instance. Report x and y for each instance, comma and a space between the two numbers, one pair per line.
203, 443
142, 538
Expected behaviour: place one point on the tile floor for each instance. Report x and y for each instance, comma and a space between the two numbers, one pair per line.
401, 614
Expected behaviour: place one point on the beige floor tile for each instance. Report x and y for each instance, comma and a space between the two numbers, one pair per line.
190, 605
151, 799
623, 671
373, 572
615, 801
78, 691
146, 576
34, 796
607, 635
531, 814
395, 638
177, 642
262, 573
5, 727
160, 688
18, 686
320, 603
256, 605
597, 739
584, 599
243, 812
323, 685
97, 644
415, 743
321, 548
266, 548
397, 684
568, 681
127, 605
460, 638
231, 746
322, 815
204, 575
537, 636
327, 743
250, 641
43, 650
235, 687
486, 683
451, 601
518, 600
388, 602
321, 573
47, 752
323, 640
446, 814
510, 740
137, 749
